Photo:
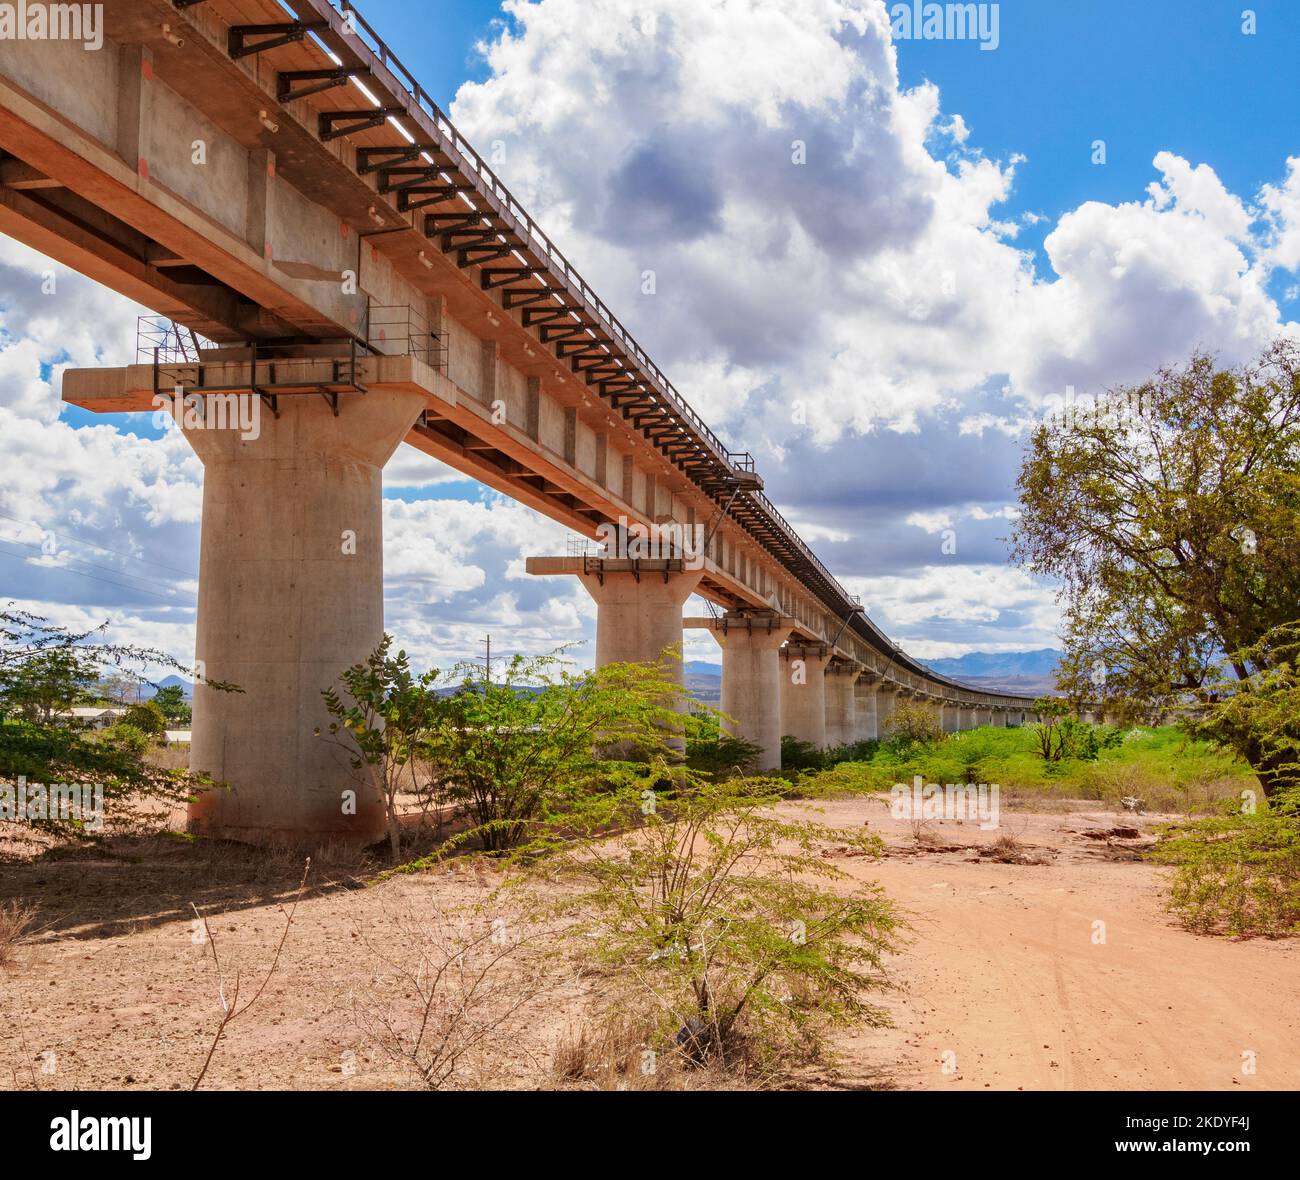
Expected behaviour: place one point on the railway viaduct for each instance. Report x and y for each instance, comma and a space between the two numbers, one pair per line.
318, 238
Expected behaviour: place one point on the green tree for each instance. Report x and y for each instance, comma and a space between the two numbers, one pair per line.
171, 700
381, 717
44, 669
147, 717
46, 684
1171, 517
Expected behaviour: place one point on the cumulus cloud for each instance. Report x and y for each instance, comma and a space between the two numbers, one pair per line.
825, 262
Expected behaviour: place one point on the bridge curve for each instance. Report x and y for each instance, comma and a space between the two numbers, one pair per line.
270, 176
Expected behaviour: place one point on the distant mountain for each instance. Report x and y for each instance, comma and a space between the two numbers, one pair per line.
1023, 672
703, 680
1041, 662
147, 691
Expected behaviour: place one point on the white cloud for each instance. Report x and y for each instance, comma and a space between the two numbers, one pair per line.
834, 259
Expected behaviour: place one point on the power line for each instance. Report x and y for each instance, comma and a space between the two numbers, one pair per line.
62, 532
94, 577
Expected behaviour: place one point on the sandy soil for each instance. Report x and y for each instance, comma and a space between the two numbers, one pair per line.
1006, 972
1006, 983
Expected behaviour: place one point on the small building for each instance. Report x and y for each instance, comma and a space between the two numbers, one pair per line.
176, 737
94, 716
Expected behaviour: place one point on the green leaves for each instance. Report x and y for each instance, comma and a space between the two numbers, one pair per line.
1174, 528
718, 914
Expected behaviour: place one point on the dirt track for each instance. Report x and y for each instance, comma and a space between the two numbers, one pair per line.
1003, 972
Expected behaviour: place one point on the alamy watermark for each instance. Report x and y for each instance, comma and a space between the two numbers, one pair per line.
25, 802
1116, 408
963, 802
633, 541
921, 20
53, 22
210, 411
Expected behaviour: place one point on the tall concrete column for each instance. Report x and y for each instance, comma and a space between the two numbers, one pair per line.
803, 693
841, 725
639, 615
866, 696
886, 702
291, 594
949, 716
751, 681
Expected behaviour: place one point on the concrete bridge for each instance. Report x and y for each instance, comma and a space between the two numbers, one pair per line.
322, 242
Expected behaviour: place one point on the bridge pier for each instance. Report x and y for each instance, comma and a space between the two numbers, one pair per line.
751, 680
803, 692
949, 717
638, 610
291, 594
865, 697
841, 716
886, 701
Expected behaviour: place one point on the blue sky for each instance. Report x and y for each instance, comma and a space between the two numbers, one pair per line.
878, 325
1145, 76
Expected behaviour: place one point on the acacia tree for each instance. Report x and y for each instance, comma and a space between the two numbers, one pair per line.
380, 717
45, 669
721, 918
511, 748
1171, 517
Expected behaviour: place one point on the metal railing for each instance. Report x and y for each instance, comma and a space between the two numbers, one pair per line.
345, 22
400, 330
182, 361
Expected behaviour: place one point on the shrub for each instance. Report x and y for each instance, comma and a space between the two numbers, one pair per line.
16, 920
1237, 873
796, 755
113, 758
516, 749
914, 723
719, 917
716, 752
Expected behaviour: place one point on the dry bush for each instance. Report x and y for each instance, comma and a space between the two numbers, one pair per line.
1009, 849
612, 1051
16, 919
1006, 849
459, 991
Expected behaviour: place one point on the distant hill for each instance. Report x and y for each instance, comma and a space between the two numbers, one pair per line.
703, 680
146, 691
1023, 672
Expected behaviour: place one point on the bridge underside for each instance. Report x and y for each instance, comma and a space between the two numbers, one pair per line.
338, 253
